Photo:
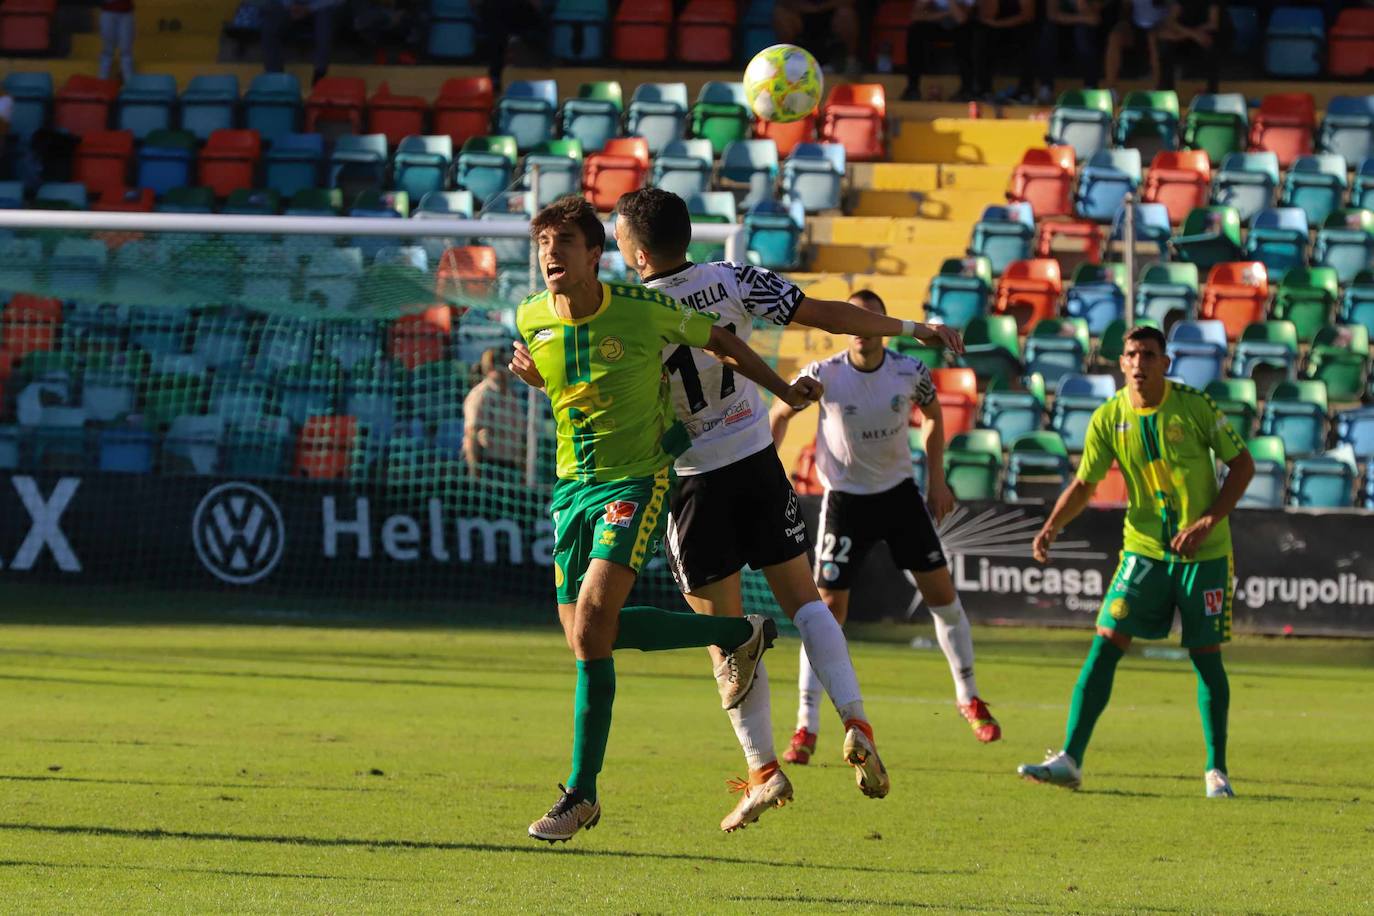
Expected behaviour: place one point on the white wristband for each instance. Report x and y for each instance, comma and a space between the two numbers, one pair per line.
908, 328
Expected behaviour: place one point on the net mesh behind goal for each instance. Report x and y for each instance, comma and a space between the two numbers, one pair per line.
287, 415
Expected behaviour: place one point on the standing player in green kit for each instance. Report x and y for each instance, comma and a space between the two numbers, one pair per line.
596, 350
1176, 552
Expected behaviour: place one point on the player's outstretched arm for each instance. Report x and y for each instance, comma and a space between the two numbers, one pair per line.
779, 415
1072, 502
522, 365
939, 497
843, 318
1239, 470
734, 352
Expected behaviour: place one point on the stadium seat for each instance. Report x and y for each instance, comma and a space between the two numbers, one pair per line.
787, 135
710, 207
510, 206
126, 200
1355, 428
413, 340
222, 342
210, 103
578, 33
1209, 236
1238, 399
125, 450
1197, 351
855, 116
805, 480
1323, 482
750, 168
1350, 48
467, 270
32, 95
1278, 238
422, 164
1340, 358
102, 160
619, 168
1296, 413
1179, 180
294, 163
305, 390
1152, 228
1044, 180
1357, 301
1038, 467
1307, 297
486, 165
526, 112
164, 160
1268, 489
1218, 124
1029, 291
29, 324
77, 267
1003, 235
1082, 119
253, 202
395, 116
272, 106
331, 277
1294, 41
463, 108
229, 161
335, 106
1148, 121
640, 31
61, 195
1097, 295
705, 32
593, 117
658, 113
1317, 184
1347, 128
1076, 397
1104, 182
683, 167
257, 446
26, 26
992, 349
1057, 347
1070, 242
973, 464
83, 104
1011, 413
721, 114
187, 200
145, 104
560, 170
1267, 351
957, 390
1362, 188
1345, 242
773, 232
1284, 126
1166, 293
1247, 182
960, 292
193, 445
325, 447
452, 33
1235, 294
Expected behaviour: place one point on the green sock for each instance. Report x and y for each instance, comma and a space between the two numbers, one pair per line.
591, 723
1213, 701
651, 629
1090, 695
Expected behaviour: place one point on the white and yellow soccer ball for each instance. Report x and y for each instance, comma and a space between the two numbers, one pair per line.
783, 83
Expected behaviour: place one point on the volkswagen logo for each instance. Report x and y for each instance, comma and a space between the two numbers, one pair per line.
238, 533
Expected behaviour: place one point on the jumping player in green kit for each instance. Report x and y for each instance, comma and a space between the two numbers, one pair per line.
596, 350
1176, 552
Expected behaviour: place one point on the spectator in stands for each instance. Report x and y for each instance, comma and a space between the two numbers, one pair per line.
117, 36
1194, 29
933, 21
1137, 25
277, 18
1005, 30
818, 25
493, 419
503, 20
388, 28
1082, 18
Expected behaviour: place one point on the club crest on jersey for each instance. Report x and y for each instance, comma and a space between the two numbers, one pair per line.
1175, 433
611, 349
1214, 599
620, 513
897, 403
830, 572
850, 410
1119, 609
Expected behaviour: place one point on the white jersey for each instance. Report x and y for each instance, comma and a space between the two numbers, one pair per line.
861, 435
723, 412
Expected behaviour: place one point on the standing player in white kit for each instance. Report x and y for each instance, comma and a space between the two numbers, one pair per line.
734, 503
863, 461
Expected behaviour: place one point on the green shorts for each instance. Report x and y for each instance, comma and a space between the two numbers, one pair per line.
621, 521
1144, 593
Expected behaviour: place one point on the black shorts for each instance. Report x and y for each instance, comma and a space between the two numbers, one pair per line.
746, 512
851, 523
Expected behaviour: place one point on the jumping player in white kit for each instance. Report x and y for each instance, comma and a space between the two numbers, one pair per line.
863, 461
734, 503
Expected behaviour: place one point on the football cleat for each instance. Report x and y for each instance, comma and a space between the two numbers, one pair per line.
861, 753
767, 787
985, 727
569, 814
1218, 786
802, 747
1059, 769
735, 673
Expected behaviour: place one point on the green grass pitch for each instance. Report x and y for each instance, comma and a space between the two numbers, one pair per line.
274, 769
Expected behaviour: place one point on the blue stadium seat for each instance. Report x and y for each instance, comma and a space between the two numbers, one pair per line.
1197, 350
446, 205
222, 342
1269, 344
1247, 182
486, 166
272, 106
1151, 226
1104, 182
579, 30
526, 110
1294, 42
1278, 239
658, 113
1011, 413
126, 450
166, 161
1355, 428
422, 164
1076, 397
32, 95
1296, 413
1323, 482
560, 170
1357, 302
62, 195
753, 164
293, 164
1268, 489
1345, 242
452, 30
145, 104
1082, 120
814, 173
593, 117
258, 446
1057, 347
1317, 184
960, 292
773, 232
107, 397
1038, 467
1098, 295
1167, 292
683, 167
193, 444
1003, 234
358, 162
757, 26
1347, 128
210, 103
509, 206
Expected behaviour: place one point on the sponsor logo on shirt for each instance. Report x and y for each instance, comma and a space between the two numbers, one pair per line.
620, 513
1123, 428
545, 334
738, 412
872, 435
611, 349
1213, 600
792, 508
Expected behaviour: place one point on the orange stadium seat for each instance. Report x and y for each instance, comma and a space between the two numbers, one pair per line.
126, 200
29, 324
706, 32
786, 135
957, 391
414, 340
83, 104
229, 161
325, 447
1070, 242
1029, 291
804, 478
855, 116
463, 108
1044, 179
1236, 294
26, 25
1284, 126
639, 33
619, 168
396, 116
467, 270
1180, 180
890, 24
102, 160
336, 100
1111, 490
1351, 48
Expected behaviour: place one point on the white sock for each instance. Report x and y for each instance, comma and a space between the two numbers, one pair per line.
753, 723
809, 693
956, 641
829, 654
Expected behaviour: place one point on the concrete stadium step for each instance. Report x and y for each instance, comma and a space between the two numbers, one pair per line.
899, 260
878, 230
956, 206
904, 295
927, 176
965, 140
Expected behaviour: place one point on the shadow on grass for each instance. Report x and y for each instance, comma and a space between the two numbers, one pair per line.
155, 833
8, 777
811, 900
228, 872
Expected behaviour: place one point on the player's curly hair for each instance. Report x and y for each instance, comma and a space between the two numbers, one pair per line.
657, 219
572, 209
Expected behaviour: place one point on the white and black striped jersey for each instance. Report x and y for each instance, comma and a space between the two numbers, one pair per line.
723, 412
861, 434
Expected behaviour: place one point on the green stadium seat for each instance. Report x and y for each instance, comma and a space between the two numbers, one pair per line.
1218, 124
593, 117
1148, 121
1268, 488
1167, 292
1268, 352
1238, 399
254, 201
1247, 182
721, 115
1038, 467
1296, 413
1340, 358
1082, 119
1209, 236
1307, 296
1057, 347
166, 397
973, 464
1346, 242
992, 349
315, 202
1316, 184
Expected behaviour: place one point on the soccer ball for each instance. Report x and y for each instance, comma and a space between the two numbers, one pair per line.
783, 83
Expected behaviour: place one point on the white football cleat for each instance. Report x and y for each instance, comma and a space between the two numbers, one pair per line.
569, 814
862, 755
1218, 786
1059, 769
773, 792
736, 671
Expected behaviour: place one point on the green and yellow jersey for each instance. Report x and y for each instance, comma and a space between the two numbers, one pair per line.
604, 375
1166, 456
